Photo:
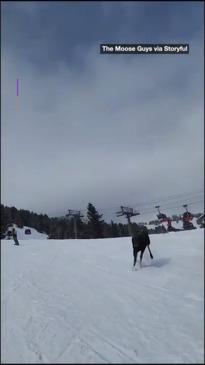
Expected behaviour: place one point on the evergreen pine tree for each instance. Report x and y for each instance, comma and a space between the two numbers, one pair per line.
95, 224
5, 220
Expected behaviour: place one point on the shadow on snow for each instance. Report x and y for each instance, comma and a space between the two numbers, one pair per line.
158, 262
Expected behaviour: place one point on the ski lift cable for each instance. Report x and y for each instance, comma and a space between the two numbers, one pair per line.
183, 198
178, 204
168, 207
164, 202
141, 205
167, 197
153, 210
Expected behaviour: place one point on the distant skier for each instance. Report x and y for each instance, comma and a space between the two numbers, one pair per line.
14, 235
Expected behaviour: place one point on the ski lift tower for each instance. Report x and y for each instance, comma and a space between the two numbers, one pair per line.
185, 206
187, 215
128, 213
157, 207
161, 216
187, 218
76, 214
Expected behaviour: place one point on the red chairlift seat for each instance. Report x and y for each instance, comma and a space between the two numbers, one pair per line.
187, 217
162, 217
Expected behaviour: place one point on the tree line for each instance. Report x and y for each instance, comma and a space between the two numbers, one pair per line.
92, 226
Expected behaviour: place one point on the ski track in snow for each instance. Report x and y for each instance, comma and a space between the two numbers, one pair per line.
80, 301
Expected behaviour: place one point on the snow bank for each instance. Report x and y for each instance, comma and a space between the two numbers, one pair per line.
34, 233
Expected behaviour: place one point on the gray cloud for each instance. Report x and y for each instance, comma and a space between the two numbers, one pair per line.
123, 129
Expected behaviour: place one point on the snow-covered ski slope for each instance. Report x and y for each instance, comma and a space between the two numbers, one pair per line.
79, 301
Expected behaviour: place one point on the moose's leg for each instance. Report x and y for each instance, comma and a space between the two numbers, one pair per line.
135, 255
141, 255
150, 252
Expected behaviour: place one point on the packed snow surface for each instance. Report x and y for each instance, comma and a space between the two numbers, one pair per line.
80, 301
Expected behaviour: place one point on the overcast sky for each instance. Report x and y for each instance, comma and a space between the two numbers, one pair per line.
107, 129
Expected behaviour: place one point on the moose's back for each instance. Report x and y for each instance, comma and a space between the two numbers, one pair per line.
141, 239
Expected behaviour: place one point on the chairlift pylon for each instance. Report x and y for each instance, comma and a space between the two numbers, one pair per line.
161, 216
187, 216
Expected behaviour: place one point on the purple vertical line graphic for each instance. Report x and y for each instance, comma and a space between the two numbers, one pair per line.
17, 87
